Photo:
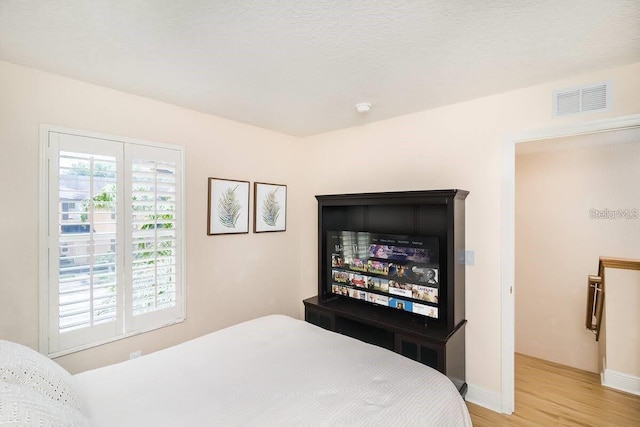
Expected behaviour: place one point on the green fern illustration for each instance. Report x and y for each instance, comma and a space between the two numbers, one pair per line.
270, 208
229, 208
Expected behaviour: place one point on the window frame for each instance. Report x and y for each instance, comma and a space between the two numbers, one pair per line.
46, 293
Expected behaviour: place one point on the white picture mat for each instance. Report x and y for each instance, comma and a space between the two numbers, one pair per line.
262, 192
217, 190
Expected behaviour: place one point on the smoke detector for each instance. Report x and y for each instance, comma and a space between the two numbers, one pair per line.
363, 107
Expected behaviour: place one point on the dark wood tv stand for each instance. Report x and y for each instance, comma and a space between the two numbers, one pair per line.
437, 341
438, 348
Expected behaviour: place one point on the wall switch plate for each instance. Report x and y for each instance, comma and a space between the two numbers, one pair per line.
469, 257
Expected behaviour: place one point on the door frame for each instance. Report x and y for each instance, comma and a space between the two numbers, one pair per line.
508, 233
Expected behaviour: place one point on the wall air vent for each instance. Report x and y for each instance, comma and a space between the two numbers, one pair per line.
582, 99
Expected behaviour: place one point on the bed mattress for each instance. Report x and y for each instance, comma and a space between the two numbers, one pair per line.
271, 371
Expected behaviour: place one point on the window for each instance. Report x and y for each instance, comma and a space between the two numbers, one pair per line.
111, 250
66, 207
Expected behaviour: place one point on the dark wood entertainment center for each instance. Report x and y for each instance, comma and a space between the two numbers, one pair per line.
439, 343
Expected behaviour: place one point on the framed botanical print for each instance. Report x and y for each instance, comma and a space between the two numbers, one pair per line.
269, 207
228, 210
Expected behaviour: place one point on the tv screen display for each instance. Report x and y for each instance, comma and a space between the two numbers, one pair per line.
401, 272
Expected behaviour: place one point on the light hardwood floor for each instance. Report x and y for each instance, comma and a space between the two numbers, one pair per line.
549, 394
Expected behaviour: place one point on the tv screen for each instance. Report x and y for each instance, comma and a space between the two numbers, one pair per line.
401, 272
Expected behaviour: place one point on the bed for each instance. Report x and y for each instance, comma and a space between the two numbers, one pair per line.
271, 371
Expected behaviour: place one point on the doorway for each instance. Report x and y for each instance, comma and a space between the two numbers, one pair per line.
508, 233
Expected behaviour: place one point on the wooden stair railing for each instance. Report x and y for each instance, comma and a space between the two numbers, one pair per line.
595, 290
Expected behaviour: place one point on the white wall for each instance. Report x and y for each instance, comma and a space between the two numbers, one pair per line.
560, 186
622, 303
229, 278
458, 146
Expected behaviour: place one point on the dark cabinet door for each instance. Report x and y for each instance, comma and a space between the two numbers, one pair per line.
427, 353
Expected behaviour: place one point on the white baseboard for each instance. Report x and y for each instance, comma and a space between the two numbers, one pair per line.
612, 379
485, 398
619, 381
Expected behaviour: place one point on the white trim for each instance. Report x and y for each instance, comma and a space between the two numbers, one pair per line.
183, 238
620, 381
43, 236
616, 123
53, 355
508, 278
108, 137
485, 398
508, 233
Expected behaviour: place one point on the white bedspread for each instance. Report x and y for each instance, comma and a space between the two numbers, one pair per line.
272, 371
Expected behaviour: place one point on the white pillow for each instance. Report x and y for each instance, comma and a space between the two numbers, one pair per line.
22, 406
26, 367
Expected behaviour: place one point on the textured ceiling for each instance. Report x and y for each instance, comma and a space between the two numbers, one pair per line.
300, 66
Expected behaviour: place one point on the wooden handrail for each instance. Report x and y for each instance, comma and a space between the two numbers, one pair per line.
624, 263
595, 290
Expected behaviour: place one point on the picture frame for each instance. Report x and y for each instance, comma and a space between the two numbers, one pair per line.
228, 206
269, 207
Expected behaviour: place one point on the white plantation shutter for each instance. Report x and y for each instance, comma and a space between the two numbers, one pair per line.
83, 240
154, 181
87, 235
154, 237
114, 239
